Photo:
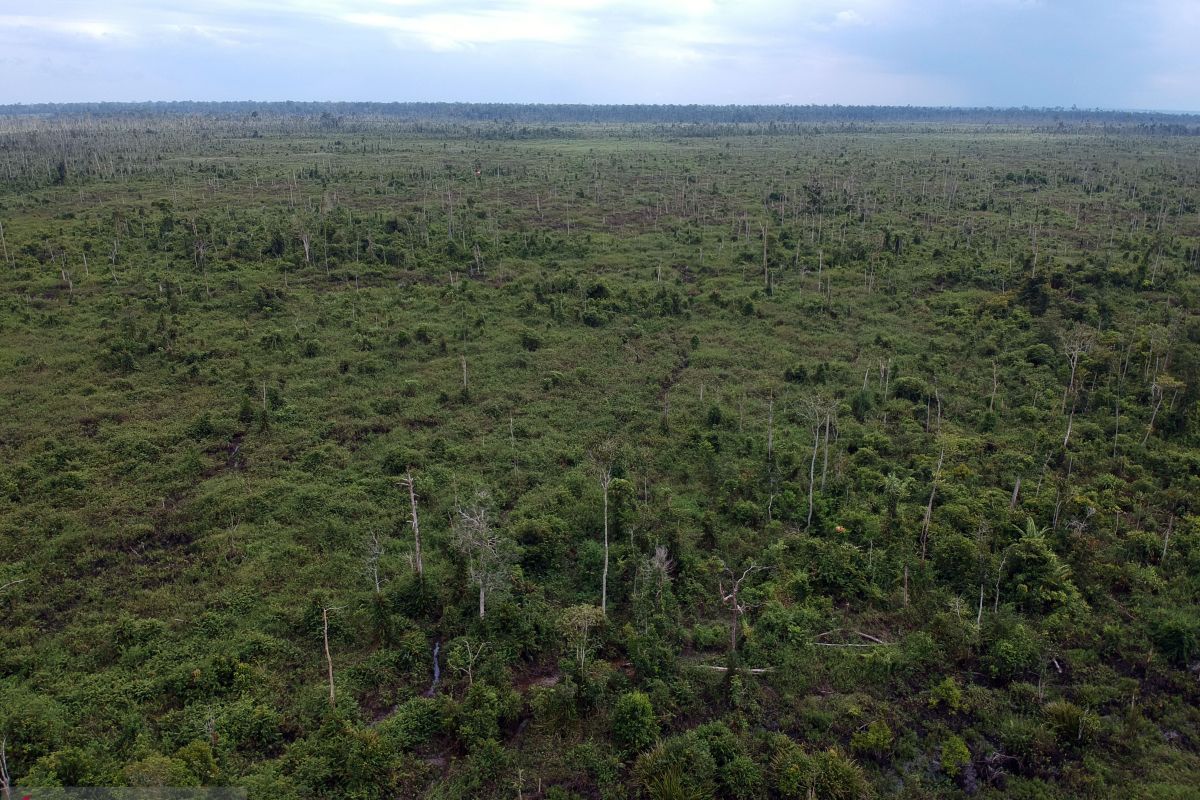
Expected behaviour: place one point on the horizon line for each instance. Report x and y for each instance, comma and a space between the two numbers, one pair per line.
1073, 109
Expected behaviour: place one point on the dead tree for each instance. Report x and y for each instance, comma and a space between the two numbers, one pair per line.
478, 268
605, 483
995, 386
770, 425
12, 583
463, 657
819, 413
328, 656
766, 268
812, 472
407, 481
374, 554
5, 778
937, 472
830, 414
485, 550
1076, 343
199, 251
604, 457
576, 624
654, 574
731, 599
1167, 539
306, 243
1123, 367
1158, 390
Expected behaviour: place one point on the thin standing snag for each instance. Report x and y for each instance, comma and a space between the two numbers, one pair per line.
407, 482
730, 598
328, 656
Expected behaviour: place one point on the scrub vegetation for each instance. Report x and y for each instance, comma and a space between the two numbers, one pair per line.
363, 455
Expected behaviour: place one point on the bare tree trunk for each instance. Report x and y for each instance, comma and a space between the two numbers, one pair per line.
1153, 415
487, 562
999, 575
605, 482
1070, 424
766, 269
1116, 417
416, 525
825, 464
1074, 361
1166, 539
328, 657
733, 632
730, 598
929, 506
995, 384
812, 473
374, 553
5, 778
770, 426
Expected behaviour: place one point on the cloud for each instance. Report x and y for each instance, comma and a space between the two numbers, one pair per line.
986, 52
73, 27
849, 17
455, 31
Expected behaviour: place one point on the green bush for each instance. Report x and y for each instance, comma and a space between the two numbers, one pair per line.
633, 722
677, 768
876, 740
710, 637
827, 774
1039, 581
955, 755
486, 771
1029, 740
1176, 633
741, 778
1072, 725
158, 770
481, 713
555, 706
70, 766
1011, 651
947, 694
414, 723
909, 388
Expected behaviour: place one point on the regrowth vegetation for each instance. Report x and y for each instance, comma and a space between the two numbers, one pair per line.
376, 457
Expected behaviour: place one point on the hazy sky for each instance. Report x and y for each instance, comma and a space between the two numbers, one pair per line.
1107, 53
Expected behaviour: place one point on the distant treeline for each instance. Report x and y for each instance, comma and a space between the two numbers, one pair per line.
536, 113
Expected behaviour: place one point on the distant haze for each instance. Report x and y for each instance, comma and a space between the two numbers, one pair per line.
1090, 53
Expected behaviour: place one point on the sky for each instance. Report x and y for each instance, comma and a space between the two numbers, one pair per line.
1113, 54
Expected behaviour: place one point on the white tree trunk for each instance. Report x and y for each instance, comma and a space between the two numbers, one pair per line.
416, 525
604, 576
